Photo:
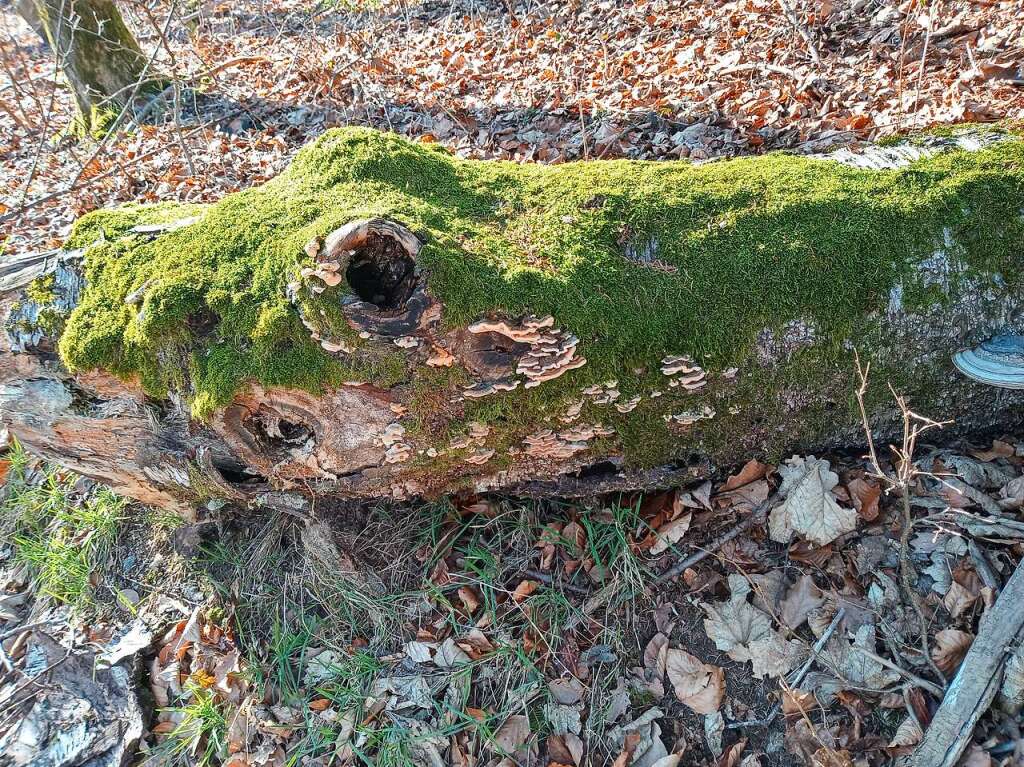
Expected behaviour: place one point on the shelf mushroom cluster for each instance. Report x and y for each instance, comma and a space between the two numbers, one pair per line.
550, 352
684, 372
564, 444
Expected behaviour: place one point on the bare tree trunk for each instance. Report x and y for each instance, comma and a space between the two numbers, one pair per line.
28, 11
96, 51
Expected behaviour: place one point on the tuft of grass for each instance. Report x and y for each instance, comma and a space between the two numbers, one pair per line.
200, 738
611, 534
62, 538
286, 657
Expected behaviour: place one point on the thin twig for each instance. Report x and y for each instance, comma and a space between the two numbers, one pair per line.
795, 678
931, 687
902, 479
756, 517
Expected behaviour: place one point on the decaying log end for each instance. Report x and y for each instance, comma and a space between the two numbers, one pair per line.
294, 436
569, 353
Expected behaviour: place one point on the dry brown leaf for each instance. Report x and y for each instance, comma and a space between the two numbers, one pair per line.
907, 734
734, 625
774, 655
752, 470
671, 533
958, 600
827, 757
865, 495
700, 686
802, 598
732, 754
949, 649
523, 590
469, 599
809, 508
512, 734
999, 449
797, 702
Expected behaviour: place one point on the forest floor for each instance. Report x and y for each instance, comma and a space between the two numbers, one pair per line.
491, 631
495, 631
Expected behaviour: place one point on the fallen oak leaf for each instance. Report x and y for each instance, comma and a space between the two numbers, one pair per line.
699, 686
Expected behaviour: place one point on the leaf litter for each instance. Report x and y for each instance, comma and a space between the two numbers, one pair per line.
752, 656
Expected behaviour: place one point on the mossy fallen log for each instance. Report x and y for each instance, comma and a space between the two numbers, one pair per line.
386, 320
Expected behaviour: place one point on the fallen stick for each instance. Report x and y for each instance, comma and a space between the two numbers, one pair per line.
757, 516
976, 683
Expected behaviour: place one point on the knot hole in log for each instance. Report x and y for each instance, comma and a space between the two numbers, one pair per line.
382, 272
266, 433
377, 260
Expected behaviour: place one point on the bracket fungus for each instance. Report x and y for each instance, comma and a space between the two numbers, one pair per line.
498, 350
683, 372
999, 361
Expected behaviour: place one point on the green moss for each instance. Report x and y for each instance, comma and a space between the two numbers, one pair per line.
755, 242
40, 290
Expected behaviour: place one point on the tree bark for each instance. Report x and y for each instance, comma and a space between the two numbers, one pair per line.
30, 13
281, 446
96, 51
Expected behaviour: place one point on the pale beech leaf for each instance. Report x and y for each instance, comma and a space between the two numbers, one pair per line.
810, 508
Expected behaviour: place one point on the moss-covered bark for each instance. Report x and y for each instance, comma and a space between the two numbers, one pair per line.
97, 53
386, 319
